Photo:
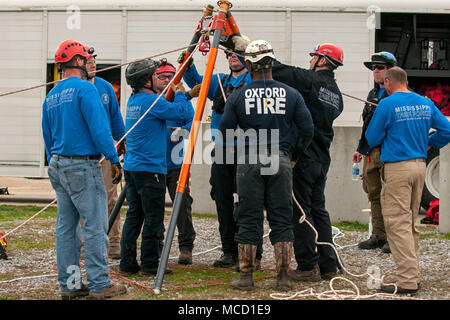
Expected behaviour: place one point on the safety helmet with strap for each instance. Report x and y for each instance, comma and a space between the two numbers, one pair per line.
69, 49
139, 73
383, 57
257, 51
331, 52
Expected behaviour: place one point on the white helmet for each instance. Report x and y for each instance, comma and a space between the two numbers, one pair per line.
257, 50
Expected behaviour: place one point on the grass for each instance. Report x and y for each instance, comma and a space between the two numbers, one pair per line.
352, 226
11, 213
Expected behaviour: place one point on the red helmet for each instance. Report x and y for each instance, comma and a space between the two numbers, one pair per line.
331, 52
165, 66
69, 49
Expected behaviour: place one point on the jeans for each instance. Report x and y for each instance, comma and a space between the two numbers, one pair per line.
145, 192
80, 193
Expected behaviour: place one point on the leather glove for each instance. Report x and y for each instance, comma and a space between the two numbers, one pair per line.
178, 87
116, 172
122, 148
178, 133
181, 59
195, 90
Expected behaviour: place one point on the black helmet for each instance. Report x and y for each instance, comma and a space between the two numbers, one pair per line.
382, 57
138, 73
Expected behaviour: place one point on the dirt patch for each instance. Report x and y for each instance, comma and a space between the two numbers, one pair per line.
30, 271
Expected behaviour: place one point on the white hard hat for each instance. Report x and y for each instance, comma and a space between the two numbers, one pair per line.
257, 50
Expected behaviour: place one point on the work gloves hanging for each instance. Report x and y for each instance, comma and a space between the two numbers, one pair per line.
116, 172
122, 148
181, 59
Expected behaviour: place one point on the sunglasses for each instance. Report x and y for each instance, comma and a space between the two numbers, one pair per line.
229, 54
164, 77
378, 67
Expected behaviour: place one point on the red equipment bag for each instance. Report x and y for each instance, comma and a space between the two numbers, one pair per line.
432, 215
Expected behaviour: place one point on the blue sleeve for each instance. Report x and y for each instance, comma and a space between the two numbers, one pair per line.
117, 124
192, 77
304, 125
176, 110
439, 122
46, 133
96, 118
190, 117
380, 122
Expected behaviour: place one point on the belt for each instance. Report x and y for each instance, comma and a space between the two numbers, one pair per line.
90, 157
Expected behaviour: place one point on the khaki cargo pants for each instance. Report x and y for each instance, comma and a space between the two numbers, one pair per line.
111, 190
371, 182
402, 184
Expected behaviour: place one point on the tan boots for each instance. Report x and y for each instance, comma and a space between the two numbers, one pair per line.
283, 253
247, 262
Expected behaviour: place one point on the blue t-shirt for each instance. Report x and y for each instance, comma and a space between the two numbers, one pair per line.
273, 107
192, 77
147, 142
74, 122
401, 124
176, 161
109, 101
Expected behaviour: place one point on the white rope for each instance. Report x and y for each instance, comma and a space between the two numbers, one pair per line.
31, 277
336, 294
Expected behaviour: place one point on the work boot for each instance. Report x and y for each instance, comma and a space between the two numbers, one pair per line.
247, 257
114, 251
185, 257
306, 276
257, 265
386, 248
112, 291
283, 251
371, 243
227, 260
69, 295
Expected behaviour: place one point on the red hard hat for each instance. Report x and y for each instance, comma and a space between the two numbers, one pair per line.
68, 49
330, 51
165, 66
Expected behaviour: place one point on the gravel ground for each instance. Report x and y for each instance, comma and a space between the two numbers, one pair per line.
434, 261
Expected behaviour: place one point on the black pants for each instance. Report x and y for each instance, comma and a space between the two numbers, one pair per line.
186, 232
146, 200
223, 185
309, 178
256, 191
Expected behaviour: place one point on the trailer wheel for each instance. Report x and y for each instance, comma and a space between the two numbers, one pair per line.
431, 185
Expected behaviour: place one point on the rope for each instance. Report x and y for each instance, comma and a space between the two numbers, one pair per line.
335, 294
121, 139
101, 70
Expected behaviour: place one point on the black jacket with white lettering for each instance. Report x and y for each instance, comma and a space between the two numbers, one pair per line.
269, 105
323, 99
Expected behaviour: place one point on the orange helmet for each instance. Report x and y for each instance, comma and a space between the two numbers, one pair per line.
331, 52
69, 49
91, 51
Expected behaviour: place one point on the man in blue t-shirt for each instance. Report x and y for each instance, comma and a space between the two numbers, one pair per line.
145, 165
115, 120
223, 174
401, 125
265, 111
178, 130
76, 133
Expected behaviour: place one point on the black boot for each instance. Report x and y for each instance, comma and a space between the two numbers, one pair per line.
283, 259
247, 257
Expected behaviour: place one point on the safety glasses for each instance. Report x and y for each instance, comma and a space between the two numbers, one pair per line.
378, 67
163, 77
